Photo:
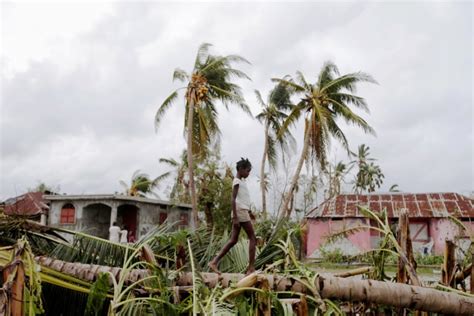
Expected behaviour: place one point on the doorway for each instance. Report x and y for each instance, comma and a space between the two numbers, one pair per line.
127, 216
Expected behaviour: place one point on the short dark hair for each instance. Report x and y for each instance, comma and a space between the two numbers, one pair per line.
243, 163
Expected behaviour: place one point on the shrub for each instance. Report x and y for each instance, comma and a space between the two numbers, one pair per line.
333, 256
429, 260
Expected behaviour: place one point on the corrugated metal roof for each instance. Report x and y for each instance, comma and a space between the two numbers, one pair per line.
417, 205
31, 203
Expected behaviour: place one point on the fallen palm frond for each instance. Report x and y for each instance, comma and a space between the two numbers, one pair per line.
42, 239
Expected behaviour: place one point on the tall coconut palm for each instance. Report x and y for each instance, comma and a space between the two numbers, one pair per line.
322, 103
272, 117
209, 82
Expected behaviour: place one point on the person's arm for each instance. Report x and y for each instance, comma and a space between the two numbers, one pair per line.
252, 215
235, 190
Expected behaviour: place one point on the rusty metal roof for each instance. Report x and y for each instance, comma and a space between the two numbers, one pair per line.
417, 205
31, 203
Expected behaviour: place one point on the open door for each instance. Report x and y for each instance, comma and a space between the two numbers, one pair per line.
127, 215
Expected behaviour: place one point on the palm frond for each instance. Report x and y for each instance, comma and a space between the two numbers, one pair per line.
259, 98
348, 82
327, 73
352, 118
271, 152
289, 83
91, 250
180, 75
202, 54
229, 96
164, 107
302, 81
169, 161
292, 118
346, 98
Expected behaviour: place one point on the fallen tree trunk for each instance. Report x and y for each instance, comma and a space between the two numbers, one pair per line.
370, 291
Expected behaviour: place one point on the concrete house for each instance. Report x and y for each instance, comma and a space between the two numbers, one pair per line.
428, 215
95, 213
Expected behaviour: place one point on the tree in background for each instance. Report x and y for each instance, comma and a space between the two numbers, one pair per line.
272, 117
209, 82
180, 188
336, 176
214, 184
141, 184
369, 176
322, 103
394, 188
45, 188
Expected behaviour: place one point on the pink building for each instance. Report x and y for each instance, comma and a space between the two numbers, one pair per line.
428, 215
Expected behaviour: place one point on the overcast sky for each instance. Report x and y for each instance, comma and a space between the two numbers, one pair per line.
80, 85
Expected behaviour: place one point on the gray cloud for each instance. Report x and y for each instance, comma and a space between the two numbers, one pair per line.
83, 118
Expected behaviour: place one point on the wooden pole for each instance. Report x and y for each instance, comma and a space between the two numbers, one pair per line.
406, 262
472, 272
402, 276
449, 263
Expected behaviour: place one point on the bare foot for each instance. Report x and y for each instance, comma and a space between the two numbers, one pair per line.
213, 266
250, 271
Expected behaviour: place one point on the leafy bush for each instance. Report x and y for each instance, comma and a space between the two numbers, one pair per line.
429, 260
333, 256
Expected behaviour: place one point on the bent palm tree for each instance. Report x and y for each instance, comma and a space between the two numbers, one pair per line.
272, 117
323, 103
209, 81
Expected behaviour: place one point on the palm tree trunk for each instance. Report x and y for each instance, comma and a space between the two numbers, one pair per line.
262, 174
285, 211
191, 101
350, 289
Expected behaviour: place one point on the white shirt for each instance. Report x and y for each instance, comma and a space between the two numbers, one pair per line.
114, 232
123, 236
243, 197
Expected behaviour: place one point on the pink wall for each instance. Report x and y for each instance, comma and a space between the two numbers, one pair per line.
319, 229
442, 229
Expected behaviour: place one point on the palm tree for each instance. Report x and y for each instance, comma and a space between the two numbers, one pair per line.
369, 175
336, 177
209, 81
394, 188
323, 103
141, 184
180, 190
272, 117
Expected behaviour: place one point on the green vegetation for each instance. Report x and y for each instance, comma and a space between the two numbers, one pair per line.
429, 260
